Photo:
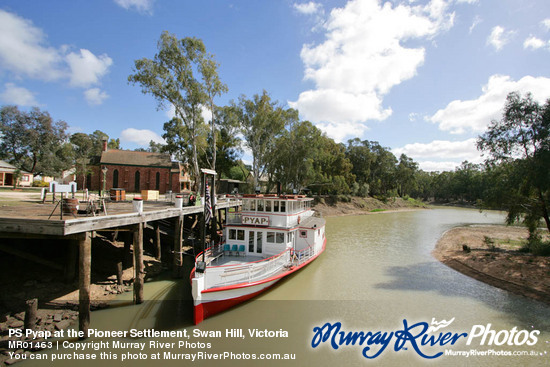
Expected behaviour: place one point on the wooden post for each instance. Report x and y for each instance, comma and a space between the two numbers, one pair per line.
157, 241
139, 267
30, 313
178, 239
84, 278
119, 273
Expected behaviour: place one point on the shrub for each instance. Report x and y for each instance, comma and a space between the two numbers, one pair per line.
40, 183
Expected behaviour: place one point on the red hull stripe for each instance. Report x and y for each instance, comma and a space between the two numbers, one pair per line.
207, 309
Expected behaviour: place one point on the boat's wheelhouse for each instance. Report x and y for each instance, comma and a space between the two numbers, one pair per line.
268, 225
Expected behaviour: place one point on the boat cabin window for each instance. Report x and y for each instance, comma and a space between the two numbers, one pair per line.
270, 237
276, 206
283, 206
268, 205
260, 206
253, 205
280, 237
246, 205
236, 234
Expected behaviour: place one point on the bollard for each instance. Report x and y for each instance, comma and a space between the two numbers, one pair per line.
138, 204
178, 203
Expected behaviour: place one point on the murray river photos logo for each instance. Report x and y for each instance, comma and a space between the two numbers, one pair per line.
423, 338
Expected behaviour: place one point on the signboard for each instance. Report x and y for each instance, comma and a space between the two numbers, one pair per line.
255, 220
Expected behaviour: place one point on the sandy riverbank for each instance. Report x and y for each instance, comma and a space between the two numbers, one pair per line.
361, 206
502, 266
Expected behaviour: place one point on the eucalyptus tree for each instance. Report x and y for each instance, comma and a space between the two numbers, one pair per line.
172, 78
33, 142
520, 141
262, 123
83, 148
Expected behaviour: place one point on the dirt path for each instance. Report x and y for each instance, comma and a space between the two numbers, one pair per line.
494, 259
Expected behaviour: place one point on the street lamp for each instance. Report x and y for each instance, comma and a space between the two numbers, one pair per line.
104, 170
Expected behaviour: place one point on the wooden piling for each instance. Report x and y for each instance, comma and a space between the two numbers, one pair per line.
30, 313
157, 242
84, 278
119, 273
178, 239
139, 267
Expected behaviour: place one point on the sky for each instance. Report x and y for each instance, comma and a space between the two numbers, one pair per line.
423, 78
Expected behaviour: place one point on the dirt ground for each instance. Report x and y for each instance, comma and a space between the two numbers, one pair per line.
494, 259
360, 206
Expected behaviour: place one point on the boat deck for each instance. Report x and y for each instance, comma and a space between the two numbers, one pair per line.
231, 260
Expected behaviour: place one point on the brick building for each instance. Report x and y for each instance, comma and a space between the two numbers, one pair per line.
136, 171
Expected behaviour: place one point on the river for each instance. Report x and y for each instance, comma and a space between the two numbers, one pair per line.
376, 274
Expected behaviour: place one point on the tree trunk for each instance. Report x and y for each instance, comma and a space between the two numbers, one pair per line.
544, 209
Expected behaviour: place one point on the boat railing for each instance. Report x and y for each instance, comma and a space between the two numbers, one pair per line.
246, 273
301, 256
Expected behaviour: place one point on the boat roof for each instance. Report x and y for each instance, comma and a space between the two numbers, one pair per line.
312, 222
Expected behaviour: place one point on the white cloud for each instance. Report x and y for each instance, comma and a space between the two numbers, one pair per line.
475, 23
546, 23
18, 95
23, 49
441, 155
363, 57
341, 131
533, 43
140, 137
25, 53
95, 96
476, 114
499, 37
433, 166
467, 1
205, 113
142, 6
308, 8
87, 68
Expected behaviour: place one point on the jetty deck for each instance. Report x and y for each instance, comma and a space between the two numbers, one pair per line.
33, 220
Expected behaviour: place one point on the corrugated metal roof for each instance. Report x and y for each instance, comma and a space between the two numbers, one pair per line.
132, 158
6, 167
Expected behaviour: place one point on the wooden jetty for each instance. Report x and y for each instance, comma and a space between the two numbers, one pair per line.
31, 221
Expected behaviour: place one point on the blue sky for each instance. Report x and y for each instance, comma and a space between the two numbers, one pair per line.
422, 77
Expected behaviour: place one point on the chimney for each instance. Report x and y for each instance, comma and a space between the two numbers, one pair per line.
104, 140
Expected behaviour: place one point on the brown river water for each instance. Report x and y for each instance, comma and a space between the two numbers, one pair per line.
376, 274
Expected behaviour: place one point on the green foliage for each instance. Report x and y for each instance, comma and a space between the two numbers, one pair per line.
32, 141
40, 183
262, 125
518, 146
182, 75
